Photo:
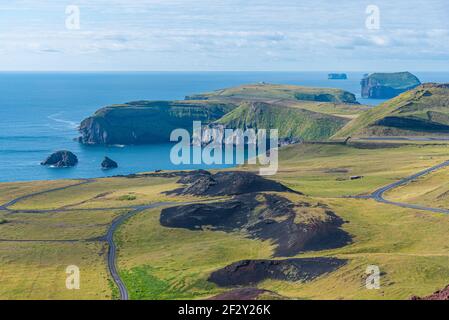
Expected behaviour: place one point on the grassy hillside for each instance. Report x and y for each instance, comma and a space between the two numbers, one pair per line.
431, 190
290, 121
274, 91
421, 111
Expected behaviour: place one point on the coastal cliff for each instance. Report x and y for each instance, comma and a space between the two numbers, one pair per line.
146, 122
388, 85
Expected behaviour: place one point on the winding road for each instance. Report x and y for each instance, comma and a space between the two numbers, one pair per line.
112, 252
378, 195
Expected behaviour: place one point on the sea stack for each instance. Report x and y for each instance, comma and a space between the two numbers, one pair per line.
61, 159
388, 85
108, 163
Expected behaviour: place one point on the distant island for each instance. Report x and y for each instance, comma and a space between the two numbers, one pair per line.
337, 76
388, 85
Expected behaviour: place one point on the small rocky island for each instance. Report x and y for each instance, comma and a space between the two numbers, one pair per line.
108, 163
388, 85
337, 76
61, 159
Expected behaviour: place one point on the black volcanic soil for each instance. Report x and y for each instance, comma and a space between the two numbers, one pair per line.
250, 272
246, 294
229, 183
438, 295
265, 217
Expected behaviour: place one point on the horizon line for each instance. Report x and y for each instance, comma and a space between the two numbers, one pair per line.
212, 71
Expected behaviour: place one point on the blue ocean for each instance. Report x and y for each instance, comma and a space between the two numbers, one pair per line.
40, 113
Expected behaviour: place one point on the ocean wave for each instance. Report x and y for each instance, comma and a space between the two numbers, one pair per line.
67, 123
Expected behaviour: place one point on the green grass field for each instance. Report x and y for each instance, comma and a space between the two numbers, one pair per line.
156, 262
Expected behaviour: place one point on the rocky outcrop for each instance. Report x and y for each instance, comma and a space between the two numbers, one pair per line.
61, 159
388, 85
108, 163
293, 227
250, 272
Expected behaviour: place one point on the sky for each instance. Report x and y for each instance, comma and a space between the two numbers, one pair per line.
224, 35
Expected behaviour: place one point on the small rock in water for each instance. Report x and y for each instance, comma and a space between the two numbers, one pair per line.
108, 163
61, 159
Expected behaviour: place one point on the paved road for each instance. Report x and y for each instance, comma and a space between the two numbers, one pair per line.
112, 252
14, 201
378, 195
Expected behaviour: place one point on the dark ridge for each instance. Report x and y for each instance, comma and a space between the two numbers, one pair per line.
251, 272
413, 124
229, 183
265, 217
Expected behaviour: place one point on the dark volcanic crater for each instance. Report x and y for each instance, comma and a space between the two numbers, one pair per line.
228, 183
293, 227
250, 272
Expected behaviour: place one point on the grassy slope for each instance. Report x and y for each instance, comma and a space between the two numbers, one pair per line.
108, 192
179, 259
413, 104
12, 190
346, 110
38, 270
273, 91
290, 121
431, 190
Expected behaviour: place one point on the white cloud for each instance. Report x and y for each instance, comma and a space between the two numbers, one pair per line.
289, 33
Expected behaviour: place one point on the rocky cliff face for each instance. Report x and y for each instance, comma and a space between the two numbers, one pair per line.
388, 85
146, 122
